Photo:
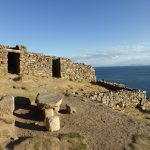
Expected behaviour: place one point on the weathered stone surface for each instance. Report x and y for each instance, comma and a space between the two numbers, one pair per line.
6, 116
70, 109
6, 105
35, 64
3, 59
49, 100
39, 65
49, 112
145, 104
53, 123
121, 98
76, 71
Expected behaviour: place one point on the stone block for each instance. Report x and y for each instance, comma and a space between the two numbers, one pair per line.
49, 112
52, 123
6, 116
6, 105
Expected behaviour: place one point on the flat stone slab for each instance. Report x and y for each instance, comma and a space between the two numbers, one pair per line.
49, 100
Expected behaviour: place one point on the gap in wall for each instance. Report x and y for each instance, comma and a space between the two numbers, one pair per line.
56, 68
13, 62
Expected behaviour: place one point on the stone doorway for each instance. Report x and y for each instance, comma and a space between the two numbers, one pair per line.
56, 68
13, 62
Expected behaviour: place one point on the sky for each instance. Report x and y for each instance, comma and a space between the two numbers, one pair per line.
96, 32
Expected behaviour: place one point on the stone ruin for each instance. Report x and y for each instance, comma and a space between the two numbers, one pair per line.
120, 96
18, 60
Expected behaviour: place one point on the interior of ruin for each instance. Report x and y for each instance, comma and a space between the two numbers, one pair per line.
56, 68
13, 62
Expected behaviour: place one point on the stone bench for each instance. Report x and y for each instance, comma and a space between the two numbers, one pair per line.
50, 103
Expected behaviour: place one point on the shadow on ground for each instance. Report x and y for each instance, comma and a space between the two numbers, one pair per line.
25, 112
29, 126
143, 111
11, 145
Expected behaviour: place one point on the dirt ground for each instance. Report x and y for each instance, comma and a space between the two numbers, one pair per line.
101, 127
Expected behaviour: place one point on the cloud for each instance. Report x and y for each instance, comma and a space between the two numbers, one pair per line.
116, 56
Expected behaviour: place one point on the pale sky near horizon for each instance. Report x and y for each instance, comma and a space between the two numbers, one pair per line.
96, 32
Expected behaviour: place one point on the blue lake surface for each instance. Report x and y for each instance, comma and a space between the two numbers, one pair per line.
132, 76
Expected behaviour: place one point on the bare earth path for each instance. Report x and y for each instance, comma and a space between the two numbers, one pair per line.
102, 127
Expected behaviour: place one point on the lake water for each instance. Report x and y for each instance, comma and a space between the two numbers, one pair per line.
132, 76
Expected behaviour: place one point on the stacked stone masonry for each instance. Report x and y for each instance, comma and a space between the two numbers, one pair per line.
76, 71
121, 99
18, 60
3, 58
113, 86
35, 64
120, 96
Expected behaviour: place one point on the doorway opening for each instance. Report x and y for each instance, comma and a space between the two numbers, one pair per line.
13, 62
56, 68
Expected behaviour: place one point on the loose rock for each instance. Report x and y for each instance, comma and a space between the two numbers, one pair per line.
52, 123
70, 109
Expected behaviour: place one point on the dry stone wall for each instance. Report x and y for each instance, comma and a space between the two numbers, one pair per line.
40, 65
120, 96
112, 86
114, 95
76, 71
4, 55
3, 59
35, 64
121, 99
